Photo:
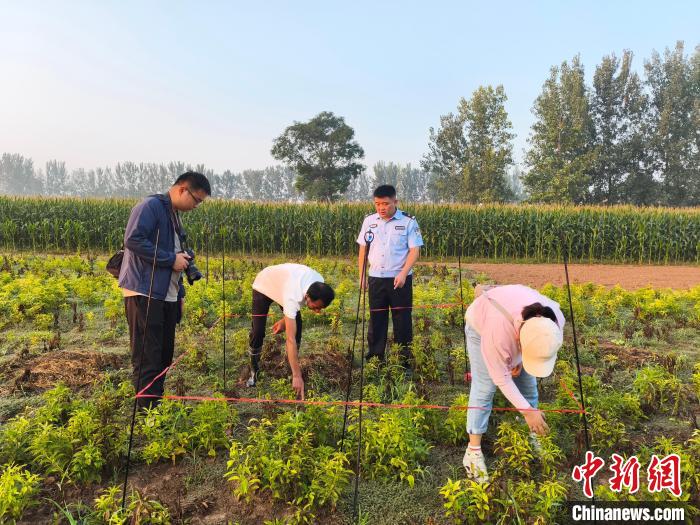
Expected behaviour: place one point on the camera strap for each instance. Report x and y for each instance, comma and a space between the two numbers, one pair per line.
177, 224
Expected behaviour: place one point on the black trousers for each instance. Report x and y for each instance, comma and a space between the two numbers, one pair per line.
382, 296
157, 353
261, 307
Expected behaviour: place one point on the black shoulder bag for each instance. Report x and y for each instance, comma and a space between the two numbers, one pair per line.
114, 265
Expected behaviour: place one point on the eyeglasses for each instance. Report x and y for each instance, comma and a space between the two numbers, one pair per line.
197, 200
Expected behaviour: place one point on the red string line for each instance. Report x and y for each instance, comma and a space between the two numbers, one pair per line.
354, 404
571, 395
445, 305
418, 306
141, 393
341, 403
172, 365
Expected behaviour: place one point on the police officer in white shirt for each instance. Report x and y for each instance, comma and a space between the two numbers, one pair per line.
394, 250
291, 286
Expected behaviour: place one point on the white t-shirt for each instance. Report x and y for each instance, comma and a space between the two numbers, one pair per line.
286, 284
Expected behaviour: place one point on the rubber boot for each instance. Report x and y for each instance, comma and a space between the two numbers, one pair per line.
406, 357
254, 366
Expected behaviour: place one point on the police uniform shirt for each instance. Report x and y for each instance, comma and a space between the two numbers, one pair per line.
393, 239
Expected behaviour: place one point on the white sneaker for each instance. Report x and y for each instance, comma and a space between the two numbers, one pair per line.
252, 380
475, 465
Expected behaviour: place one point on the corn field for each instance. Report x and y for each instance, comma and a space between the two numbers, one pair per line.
495, 232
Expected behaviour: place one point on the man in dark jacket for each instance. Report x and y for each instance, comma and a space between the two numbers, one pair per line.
154, 232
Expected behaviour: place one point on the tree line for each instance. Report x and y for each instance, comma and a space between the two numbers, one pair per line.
621, 139
19, 176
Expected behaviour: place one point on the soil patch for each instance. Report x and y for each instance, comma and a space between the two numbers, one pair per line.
75, 369
634, 358
630, 277
630, 357
331, 365
209, 502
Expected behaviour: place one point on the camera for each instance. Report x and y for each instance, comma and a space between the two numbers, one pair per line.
192, 272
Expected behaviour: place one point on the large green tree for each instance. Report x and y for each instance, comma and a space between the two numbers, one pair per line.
618, 108
323, 154
469, 155
561, 139
674, 131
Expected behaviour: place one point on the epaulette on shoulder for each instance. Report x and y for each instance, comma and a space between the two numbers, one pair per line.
370, 214
408, 215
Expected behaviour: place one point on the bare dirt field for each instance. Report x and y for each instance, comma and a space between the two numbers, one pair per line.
628, 276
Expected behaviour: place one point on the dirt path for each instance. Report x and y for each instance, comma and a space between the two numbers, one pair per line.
628, 276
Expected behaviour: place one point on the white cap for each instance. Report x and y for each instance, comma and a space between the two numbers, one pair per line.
540, 340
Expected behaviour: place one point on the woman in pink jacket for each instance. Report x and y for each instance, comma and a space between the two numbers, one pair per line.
513, 336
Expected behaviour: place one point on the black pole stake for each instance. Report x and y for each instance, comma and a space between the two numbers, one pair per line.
351, 351
369, 237
461, 301
223, 296
578, 362
206, 255
138, 382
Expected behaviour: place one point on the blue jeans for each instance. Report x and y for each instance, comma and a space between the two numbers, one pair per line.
483, 388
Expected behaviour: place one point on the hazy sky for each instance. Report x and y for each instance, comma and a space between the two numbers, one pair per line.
95, 82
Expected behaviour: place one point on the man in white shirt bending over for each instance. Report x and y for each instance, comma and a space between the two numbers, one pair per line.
291, 286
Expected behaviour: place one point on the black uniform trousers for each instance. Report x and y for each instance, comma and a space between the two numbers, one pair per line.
261, 308
382, 296
150, 359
